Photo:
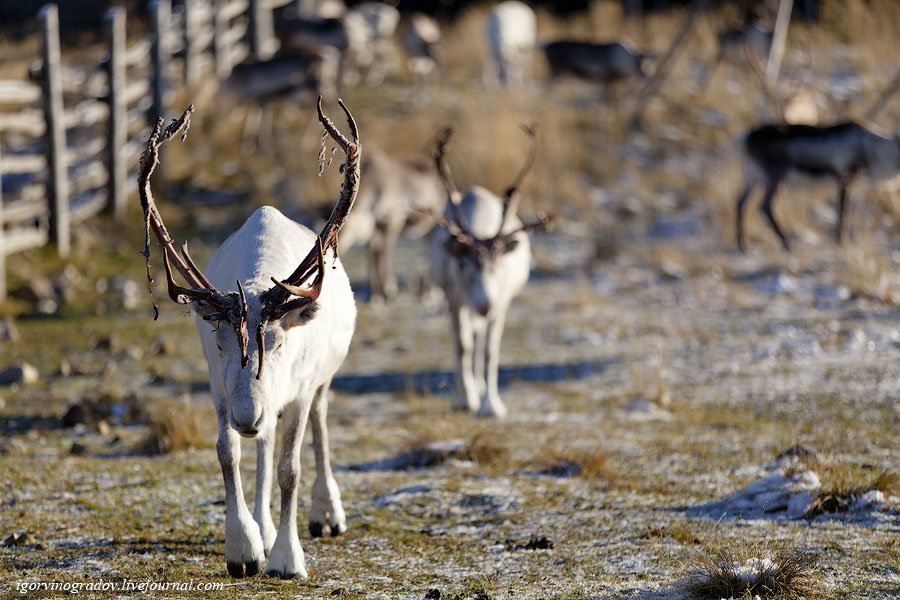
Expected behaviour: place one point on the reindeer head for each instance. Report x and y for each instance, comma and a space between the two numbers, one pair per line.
478, 257
267, 313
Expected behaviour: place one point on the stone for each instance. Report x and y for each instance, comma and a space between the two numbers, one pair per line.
74, 415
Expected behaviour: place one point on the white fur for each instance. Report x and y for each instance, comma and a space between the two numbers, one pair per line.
478, 299
511, 33
300, 361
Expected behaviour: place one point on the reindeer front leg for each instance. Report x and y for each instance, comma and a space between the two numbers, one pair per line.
243, 544
286, 559
464, 341
326, 495
766, 209
262, 508
491, 404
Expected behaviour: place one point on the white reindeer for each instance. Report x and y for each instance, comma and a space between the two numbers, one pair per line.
837, 152
480, 256
511, 33
303, 322
421, 39
392, 194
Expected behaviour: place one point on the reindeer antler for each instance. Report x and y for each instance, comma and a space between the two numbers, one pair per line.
511, 196
443, 170
277, 301
212, 304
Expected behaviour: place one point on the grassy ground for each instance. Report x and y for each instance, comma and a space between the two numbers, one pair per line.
638, 295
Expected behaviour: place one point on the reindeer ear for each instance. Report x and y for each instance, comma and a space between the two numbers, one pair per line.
301, 316
510, 245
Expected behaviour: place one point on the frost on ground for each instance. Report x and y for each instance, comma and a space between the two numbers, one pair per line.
789, 487
602, 483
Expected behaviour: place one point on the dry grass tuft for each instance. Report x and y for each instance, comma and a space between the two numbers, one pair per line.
177, 425
480, 448
725, 573
588, 464
842, 485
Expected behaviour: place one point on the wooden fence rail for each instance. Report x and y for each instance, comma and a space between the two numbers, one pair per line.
70, 144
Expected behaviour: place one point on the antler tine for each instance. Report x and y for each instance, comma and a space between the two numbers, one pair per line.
542, 221
440, 152
511, 196
190, 261
333, 131
443, 170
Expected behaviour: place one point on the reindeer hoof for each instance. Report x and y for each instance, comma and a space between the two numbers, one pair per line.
237, 570
316, 529
281, 575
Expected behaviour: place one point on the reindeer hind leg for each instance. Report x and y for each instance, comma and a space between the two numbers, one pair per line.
842, 208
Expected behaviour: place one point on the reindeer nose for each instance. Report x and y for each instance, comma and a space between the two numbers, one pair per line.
245, 424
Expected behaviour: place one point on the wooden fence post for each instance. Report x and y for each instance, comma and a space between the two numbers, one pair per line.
2, 237
779, 36
161, 14
221, 51
55, 136
262, 30
191, 55
118, 114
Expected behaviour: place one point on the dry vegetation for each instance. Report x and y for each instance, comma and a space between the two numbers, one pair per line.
751, 573
843, 485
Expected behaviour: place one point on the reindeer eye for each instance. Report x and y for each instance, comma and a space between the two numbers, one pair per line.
219, 347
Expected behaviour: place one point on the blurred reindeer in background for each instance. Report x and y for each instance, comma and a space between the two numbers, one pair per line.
481, 257
362, 37
392, 195
774, 153
421, 39
748, 45
511, 35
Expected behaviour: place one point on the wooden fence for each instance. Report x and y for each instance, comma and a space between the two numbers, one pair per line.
70, 145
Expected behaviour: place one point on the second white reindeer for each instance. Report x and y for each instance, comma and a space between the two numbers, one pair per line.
302, 314
481, 257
